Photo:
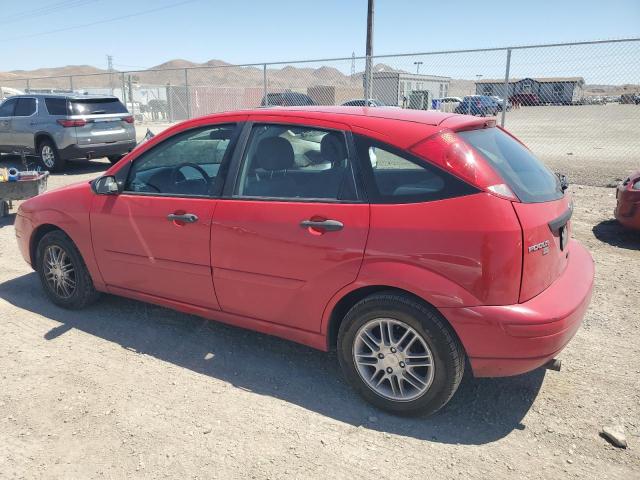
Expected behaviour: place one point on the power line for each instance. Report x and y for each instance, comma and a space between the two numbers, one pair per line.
99, 22
45, 10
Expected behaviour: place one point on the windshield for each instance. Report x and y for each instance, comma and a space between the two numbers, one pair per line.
529, 179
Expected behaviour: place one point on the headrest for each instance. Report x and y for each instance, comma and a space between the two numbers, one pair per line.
332, 148
274, 153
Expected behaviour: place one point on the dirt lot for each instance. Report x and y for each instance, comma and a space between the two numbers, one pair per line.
129, 390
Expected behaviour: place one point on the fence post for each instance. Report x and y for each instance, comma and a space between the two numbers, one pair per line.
71, 82
124, 91
264, 85
186, 89
28, 86
505, 100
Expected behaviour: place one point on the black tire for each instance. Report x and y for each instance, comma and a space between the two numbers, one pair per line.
84, 292
115, 158
47, 150
447, 353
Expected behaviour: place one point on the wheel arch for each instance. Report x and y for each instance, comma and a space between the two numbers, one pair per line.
40, 136
37, 235
348, 300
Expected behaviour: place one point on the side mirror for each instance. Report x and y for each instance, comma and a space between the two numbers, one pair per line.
107, 185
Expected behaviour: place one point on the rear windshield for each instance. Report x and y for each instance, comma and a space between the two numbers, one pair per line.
95, 106
529, 179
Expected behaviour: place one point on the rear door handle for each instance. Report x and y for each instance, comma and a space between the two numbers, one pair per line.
326, 225
183, 217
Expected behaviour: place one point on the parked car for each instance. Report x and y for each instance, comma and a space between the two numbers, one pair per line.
482, 105
525, 99
361, 102
446, 104
286, 99
58, 128
627, 210
500, 102
453, 248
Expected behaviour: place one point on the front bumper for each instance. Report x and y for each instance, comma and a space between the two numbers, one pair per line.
513, 339
23, 228
97, 150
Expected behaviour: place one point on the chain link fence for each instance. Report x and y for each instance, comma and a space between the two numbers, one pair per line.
576, 105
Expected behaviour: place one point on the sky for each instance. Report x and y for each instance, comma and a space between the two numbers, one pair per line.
43, 33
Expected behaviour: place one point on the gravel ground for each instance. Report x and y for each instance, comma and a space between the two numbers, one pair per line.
129, 390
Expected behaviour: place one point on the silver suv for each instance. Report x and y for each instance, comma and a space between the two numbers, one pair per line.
57, 128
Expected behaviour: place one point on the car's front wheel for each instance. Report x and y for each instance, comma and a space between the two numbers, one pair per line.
63, 272
400, 354
49, 156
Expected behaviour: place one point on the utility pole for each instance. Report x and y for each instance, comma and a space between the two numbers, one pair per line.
368, 74
417, 64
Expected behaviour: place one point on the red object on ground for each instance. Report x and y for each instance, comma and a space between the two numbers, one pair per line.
627, 210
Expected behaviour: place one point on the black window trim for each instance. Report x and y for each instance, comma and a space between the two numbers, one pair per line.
223, 171
371, 190
235, 168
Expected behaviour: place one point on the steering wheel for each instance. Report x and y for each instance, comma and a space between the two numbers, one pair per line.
195, 166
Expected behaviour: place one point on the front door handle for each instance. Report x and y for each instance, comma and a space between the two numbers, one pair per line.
326, 225
182, 217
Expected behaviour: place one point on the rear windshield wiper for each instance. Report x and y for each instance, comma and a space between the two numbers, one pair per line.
96, 112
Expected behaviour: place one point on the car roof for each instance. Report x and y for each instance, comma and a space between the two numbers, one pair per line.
70, 96
396, 126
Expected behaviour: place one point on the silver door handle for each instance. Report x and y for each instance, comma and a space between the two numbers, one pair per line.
327, 225
184, 217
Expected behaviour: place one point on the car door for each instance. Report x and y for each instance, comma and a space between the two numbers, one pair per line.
23, 124
6, 114
154, 236
291, 230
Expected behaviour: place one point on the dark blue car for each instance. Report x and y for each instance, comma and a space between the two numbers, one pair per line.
479, 105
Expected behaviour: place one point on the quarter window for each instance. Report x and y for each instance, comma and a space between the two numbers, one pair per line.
294, 162
395, 176
187, 164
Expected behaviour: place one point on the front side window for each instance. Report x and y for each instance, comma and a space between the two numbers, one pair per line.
7, 107
187, 164
25, 107
394, 176
294, 162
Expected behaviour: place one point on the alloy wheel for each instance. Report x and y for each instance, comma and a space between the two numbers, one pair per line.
48, 156
59, 271
393, 359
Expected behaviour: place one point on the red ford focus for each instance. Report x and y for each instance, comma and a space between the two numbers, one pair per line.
408, 240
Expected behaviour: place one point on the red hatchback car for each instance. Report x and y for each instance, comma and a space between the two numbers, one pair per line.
408, 240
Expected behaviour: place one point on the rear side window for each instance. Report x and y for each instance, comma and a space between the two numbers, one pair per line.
25, 107
529, 179
95, 106
395, 176
56, 106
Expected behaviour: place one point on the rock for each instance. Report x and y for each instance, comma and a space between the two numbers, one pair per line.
614, 435
207, 430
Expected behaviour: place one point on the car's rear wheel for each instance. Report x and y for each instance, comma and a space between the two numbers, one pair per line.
49, 156
115, 158
400, 354
63, 272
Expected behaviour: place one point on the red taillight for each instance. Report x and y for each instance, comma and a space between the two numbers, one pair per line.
128, 119
72, 123
452, 153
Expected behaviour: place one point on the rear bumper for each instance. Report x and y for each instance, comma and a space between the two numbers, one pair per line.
513, 339
97, 150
